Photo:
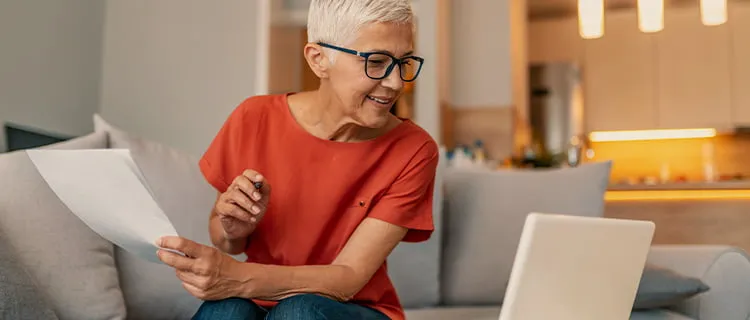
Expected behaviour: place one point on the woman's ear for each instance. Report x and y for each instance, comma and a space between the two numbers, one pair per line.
317, 60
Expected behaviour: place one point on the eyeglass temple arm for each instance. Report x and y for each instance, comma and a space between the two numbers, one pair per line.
330, 46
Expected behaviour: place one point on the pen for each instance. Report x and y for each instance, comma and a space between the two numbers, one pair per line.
258, 185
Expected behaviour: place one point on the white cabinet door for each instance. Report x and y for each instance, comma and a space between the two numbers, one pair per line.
694, 74
619, 77
554, 40
739, 23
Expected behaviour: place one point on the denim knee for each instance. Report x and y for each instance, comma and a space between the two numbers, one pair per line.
303, 306
229, 309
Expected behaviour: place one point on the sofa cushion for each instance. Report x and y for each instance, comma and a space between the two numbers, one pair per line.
421, 288
660, 314
485, 217
661, 287
19, 297
453, 313
152, 291
73, 266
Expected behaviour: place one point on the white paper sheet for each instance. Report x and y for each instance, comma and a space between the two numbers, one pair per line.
107, 191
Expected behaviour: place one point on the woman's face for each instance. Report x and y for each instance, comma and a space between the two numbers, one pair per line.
365, 100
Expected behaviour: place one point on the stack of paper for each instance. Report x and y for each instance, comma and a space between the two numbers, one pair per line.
107, 191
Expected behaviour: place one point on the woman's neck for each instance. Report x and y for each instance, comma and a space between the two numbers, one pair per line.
320, 115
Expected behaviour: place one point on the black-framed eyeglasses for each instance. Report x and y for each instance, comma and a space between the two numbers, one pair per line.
379, 65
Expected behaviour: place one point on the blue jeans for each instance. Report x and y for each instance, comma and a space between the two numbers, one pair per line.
299, 307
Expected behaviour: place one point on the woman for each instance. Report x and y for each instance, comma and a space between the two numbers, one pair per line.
349, 180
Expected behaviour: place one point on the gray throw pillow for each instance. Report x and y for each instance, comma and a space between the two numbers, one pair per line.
152, 291
661, 287
485, 215
19, 297
73, 266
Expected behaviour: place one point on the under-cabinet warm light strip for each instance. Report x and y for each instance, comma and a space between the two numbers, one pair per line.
603, 136
657, 195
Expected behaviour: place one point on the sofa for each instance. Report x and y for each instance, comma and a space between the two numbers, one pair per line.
52, 266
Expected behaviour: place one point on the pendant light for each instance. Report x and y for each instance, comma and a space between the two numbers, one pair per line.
650, 15
713, 12
591, 18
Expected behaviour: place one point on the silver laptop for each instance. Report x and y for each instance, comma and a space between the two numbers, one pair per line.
576, 268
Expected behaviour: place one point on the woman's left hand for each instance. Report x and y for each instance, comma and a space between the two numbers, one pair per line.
206, 272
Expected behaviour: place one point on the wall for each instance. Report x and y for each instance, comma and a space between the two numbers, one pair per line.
489, 88
432, 43
481, 54
50, 64
174, 69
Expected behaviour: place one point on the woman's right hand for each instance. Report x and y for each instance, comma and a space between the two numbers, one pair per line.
242, 206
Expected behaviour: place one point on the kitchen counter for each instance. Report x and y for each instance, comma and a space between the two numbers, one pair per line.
720, 190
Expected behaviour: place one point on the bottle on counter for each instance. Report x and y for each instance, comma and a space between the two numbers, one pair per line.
709, 167
664, 173
574, 151
480, 155
461, 158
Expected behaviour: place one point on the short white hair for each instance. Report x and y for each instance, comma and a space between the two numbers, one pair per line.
339, 21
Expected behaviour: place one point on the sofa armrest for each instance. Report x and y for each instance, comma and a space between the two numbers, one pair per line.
725, 269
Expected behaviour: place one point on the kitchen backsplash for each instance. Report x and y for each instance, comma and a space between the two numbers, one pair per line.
684, 158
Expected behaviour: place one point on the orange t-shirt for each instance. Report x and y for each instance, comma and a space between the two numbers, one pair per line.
323, 189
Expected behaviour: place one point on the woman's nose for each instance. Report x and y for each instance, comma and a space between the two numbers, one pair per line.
393, 81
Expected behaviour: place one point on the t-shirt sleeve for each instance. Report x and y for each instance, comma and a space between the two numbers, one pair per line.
219, 162
408, 202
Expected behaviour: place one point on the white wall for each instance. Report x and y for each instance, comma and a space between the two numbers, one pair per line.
174, 69
481, 53
433, 44
50, 64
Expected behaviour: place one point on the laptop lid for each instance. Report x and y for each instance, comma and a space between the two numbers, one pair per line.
576, 268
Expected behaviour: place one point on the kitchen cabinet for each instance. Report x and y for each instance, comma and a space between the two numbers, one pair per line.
703, 222
619, 79
739, 23
555, 40
687, 76
693, 72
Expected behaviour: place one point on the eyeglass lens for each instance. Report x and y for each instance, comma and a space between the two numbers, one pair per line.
377, 65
